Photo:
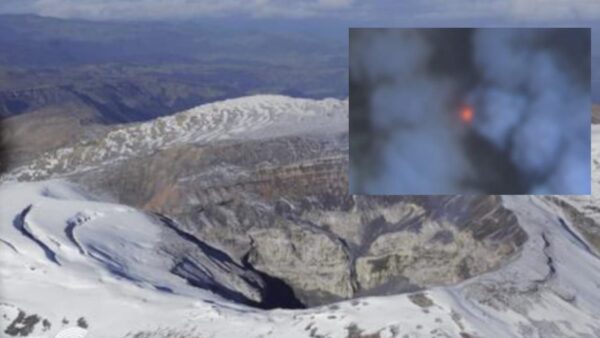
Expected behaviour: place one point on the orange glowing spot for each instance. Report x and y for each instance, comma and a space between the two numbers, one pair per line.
466, 114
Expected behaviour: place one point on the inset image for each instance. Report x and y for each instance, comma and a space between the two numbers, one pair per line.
470, 111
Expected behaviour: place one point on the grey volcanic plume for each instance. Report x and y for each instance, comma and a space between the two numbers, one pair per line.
470, 111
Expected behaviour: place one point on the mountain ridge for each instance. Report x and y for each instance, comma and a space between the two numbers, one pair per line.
272, 115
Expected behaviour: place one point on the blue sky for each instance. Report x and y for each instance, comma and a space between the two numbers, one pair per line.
384, 11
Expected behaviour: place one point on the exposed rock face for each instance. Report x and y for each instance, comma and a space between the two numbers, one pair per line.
353, 246
277, 200
595, 114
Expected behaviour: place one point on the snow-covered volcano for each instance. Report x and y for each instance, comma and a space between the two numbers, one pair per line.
71, 261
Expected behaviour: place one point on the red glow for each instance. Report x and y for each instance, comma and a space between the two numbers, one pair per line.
466, 114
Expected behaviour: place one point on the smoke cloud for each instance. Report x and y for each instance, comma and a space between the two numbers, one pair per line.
529, 90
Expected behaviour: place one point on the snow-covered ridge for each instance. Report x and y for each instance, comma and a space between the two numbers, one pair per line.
252, 117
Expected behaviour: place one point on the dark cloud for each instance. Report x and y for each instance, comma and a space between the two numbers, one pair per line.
525, 92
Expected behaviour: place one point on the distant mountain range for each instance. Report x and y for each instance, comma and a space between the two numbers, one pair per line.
123, 72
115, 72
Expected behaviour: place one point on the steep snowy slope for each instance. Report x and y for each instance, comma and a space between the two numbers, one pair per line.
247, 118
65, 257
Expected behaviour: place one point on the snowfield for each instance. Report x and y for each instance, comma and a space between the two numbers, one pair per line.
69, 261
